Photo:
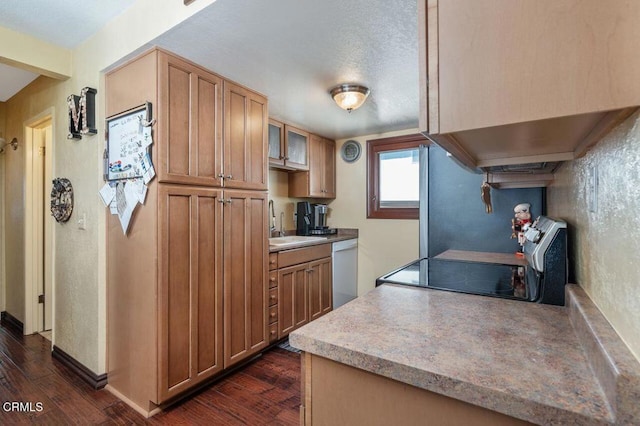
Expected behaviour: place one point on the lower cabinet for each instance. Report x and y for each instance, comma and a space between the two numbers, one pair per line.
304, 290
213, 293
190, 299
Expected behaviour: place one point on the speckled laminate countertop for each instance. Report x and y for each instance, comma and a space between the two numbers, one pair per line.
342, 235
521, 359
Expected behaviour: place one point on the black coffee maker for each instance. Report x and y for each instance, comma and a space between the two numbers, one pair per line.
304, 218
312, 219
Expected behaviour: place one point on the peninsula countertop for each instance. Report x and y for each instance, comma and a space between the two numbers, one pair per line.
521, 359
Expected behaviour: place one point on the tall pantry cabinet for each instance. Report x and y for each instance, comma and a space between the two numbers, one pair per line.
187, 287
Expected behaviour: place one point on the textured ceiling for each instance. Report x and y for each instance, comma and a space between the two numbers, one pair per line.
293, 51
65, 23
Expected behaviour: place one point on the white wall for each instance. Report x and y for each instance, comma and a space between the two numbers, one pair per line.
606, 243
383, 244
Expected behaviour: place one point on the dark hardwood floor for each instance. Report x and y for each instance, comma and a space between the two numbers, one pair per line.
265, 392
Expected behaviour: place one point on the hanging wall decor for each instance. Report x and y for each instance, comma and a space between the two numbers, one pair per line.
82, 113
61, 199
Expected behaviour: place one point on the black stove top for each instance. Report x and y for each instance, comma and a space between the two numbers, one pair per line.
488, 279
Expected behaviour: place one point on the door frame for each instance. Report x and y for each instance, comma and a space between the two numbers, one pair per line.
34, 232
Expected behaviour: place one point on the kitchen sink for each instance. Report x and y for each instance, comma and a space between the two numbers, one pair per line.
293, 239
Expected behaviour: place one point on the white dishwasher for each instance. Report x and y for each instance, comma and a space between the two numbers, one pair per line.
344, 255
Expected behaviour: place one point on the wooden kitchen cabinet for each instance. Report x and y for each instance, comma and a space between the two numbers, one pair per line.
214, 130
338, 394
288, 146
277, 151
245, 136
526, 82
190, 116
304, 286
320, 288
293, 296
320, 180
245, 268
190, 297
187, 285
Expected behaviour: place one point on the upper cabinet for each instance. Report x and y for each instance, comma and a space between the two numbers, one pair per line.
288, 146
320, 180
245, 138
533, 81
216, 131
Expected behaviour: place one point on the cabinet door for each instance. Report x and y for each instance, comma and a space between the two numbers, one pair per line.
276, 143
190, 296
320, 289
329, 169
245, 138
321, 177
189, 123
246, 255
293, 307
296, 143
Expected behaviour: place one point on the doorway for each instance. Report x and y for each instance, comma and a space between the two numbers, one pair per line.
39, 230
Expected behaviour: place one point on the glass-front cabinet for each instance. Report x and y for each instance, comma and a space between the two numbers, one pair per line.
276, 143
288, 146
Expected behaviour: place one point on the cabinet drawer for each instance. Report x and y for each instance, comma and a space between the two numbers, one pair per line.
273, 261
273, 332
273, 314
302, 255
273, 279
273, 296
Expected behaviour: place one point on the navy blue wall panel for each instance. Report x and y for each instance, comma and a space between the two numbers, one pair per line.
457, 218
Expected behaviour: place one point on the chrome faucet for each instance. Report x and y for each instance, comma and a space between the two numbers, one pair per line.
282, 224
273, 217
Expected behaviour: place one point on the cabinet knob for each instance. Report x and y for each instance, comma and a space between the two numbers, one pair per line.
272, 297
228, 177
272, 314
273, 332
220, 175
273, 280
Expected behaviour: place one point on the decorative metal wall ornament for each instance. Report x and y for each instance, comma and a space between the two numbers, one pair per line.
351, 151
82, 113
61, 199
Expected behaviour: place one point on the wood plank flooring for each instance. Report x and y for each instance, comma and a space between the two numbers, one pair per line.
265, 392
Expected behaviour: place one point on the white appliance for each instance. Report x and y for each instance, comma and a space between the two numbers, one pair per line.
344, 255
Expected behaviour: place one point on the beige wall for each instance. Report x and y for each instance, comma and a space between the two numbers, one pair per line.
2, 209
279, 193
383, 244
606, 243
24, 106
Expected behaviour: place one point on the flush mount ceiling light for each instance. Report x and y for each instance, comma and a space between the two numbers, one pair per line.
349, 96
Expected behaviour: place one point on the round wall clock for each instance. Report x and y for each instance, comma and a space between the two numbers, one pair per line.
351, 151
61, 199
